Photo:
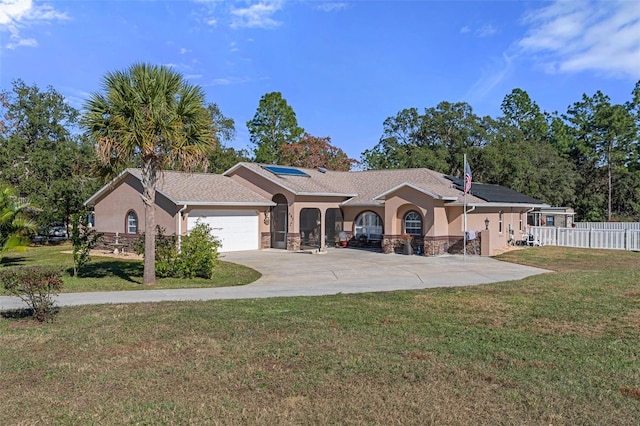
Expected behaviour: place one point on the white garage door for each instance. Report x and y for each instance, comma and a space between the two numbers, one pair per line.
236, 230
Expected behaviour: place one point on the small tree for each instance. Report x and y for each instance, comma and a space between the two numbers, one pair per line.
14, 225
84, 239
36, 286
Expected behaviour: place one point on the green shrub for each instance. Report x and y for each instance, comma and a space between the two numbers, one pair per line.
84, 239
199, 252
197, 257
36, 286
166, 252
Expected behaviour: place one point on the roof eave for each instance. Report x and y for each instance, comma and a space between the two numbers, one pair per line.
326, 194
348, 204
228, 203
487, 204
412, 186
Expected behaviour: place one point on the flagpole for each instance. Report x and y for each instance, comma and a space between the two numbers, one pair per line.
464, 249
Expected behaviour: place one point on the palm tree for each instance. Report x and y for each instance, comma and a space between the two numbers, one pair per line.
150, 117
14, 225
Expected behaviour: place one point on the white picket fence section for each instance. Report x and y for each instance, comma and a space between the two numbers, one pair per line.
634, 226
615, 239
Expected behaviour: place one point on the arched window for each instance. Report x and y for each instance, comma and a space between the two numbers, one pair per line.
413, 223
368, 224
132, 222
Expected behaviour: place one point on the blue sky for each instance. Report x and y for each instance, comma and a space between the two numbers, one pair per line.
343, 66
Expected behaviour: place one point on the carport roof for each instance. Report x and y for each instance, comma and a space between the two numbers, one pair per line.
194, 189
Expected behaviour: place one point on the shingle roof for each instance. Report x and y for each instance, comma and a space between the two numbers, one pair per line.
368, 188
195, 188
363, 187
204, 188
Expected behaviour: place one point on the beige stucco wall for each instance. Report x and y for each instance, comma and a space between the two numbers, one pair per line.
516, 217
111, 210
265, 188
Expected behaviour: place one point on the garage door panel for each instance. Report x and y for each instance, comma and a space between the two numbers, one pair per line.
236, 230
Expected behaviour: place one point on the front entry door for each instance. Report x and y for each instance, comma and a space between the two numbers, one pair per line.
279, 227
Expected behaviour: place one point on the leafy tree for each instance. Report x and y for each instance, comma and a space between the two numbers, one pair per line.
604, 139
273, 125
519, 154
39, 154
15, 226
221, 157
521, 112
437, 139
455, 130
313, 152
532, 167
149, 116
402, 145
224, 127
84, 239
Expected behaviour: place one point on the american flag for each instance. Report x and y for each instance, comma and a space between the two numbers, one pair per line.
467, 178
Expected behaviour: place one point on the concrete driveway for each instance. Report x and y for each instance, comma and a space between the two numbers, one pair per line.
337, 271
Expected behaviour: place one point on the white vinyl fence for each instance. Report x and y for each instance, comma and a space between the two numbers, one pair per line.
634, 226
615, 239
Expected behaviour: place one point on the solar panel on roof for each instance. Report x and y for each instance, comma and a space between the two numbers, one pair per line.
494, 193
284, 171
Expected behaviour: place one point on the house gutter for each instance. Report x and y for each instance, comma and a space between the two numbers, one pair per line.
180, 225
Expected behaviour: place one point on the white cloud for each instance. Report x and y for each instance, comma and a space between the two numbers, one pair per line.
13, 10
491, 77
585, 36
332, 6
486, 31
184, 50
258, 15
226, 81
18, 15
22, 42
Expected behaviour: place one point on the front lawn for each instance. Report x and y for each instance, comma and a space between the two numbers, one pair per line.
558, 348
115, 274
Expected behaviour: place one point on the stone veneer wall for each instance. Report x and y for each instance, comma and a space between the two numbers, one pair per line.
431, 246
395, 244
293, 242
265, 240
109, 238
451, 245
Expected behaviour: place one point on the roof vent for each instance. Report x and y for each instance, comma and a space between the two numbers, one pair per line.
322, 170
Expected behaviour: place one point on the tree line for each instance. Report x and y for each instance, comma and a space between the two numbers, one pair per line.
587, 157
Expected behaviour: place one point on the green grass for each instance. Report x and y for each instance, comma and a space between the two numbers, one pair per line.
559, 348
117, 274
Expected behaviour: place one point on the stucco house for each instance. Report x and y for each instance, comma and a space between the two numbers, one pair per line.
256, 206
